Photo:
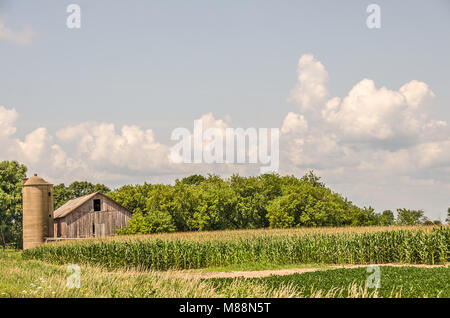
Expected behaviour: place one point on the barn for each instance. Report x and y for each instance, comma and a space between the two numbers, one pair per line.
92, 215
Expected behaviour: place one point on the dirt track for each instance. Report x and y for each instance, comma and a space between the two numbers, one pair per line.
280, 272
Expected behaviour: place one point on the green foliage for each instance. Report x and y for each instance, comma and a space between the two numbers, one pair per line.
394, 246
36, 279
402, 282
410, 217
133, 198
366, 216
387, 218
11, 173
198, 203
307, 202
154, 222
62, 194
195, 179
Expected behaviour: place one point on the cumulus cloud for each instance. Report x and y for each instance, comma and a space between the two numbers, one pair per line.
106, 152
208, 121
131, 149
7, 119
311, 89
313, 149
378, 135
294, 123
37, 150
371, 114
102, 152
23, 37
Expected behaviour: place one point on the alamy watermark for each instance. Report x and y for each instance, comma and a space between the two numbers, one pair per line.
374, 279
373, 21
74, 279
227, 146
74, 19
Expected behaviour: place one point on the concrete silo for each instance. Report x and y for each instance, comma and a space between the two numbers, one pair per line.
37, 196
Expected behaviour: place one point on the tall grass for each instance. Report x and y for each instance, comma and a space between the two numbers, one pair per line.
31, 278
154, 253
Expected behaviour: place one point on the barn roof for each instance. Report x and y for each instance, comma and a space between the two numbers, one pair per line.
71, 205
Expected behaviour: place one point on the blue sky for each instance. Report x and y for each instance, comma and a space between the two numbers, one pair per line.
162, 64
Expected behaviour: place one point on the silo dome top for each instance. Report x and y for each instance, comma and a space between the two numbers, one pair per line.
35, 180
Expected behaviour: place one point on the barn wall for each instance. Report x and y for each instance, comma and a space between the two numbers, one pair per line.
57, 227
80, 223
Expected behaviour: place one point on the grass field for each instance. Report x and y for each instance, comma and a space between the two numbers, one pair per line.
191, 264
405, 282
424, 245
33, 278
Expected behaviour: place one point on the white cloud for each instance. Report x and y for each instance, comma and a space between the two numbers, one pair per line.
417, 94
132, 149
369, 114
209, 121
433, 154
294, 123
311, 89
101, 152
23, 37
37, 150
372, 140
7, 119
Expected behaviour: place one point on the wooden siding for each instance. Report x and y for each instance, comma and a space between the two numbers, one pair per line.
83, 221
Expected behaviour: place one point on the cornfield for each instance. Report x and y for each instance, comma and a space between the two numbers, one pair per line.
411, 246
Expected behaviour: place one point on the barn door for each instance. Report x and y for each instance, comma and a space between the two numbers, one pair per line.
100, 229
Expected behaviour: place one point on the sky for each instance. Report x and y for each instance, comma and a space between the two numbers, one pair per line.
367, 109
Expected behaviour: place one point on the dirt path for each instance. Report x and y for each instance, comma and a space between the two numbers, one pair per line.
280, 272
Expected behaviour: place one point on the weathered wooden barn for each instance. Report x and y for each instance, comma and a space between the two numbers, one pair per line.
92, 215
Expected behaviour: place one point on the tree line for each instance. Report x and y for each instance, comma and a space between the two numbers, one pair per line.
202, 203
199, 203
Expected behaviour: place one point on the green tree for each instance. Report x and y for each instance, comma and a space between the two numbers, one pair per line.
247, 201
182, 204
79, 189
387, 218
198, 203
311, 178
283, 210
133, 197
195, 179
62, 194
426, 221
11, 175
153, 222
214, 205
365, 217
410, 217
307, 202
